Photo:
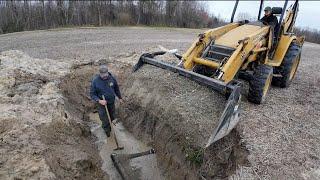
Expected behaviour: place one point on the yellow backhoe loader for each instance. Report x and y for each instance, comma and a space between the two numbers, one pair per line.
254, 51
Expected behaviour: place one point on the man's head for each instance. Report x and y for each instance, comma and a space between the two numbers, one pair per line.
267, 11
103, 71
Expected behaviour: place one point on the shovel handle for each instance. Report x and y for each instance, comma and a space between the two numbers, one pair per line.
110, 123
107, 110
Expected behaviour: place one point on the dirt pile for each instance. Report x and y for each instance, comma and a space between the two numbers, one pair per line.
184, 102
177, 116
40, 138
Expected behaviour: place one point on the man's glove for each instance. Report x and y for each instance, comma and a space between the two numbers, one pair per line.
102, 102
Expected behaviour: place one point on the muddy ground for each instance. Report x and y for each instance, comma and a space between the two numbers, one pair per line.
44, 123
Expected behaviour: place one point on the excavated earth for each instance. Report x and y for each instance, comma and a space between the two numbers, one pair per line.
40, 137
177, 117
45, 110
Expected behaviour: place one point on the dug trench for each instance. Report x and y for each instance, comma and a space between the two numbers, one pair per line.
173, 115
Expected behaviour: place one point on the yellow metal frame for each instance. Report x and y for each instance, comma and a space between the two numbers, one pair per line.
247, 46
250, 42
198, 46
283, 45
244, 48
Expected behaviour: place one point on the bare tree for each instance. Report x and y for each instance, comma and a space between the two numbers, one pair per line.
244, 16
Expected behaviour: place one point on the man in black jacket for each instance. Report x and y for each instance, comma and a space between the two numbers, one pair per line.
104, 84
269, 18
272, 21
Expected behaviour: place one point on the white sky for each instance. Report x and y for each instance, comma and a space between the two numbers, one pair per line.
308, 15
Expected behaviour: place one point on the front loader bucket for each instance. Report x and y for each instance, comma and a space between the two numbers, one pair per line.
230, 115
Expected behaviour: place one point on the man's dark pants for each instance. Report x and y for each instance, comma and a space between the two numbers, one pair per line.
104, 117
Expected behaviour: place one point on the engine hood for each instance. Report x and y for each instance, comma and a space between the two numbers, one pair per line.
231, 38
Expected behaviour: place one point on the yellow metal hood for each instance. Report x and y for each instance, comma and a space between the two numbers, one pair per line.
232, 37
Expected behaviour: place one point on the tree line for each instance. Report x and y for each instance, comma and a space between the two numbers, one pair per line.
312, 35
18, 15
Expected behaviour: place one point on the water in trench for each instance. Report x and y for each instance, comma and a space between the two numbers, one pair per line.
146, 165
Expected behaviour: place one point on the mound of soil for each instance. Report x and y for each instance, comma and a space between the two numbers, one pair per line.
177, 116
40, 137
181, 102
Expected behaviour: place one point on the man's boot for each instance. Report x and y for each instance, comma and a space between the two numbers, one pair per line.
108, 131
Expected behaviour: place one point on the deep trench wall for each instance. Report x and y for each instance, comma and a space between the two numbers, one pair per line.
176, 117
76, 133
75, 88
71, 152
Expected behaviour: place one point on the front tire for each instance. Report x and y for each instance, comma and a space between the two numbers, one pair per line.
288, 68
260, 83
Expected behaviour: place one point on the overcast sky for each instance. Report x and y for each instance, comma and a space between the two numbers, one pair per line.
308, 15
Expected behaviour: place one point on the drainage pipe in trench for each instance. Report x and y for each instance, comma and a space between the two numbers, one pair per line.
118, 159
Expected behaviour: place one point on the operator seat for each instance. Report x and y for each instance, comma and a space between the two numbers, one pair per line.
277, 11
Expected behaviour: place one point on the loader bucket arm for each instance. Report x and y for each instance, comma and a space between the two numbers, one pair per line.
149, 59
230, 116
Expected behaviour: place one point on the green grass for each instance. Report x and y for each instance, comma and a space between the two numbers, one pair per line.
195, 156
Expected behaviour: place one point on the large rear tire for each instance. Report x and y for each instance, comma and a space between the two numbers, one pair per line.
260, 83
288, 68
